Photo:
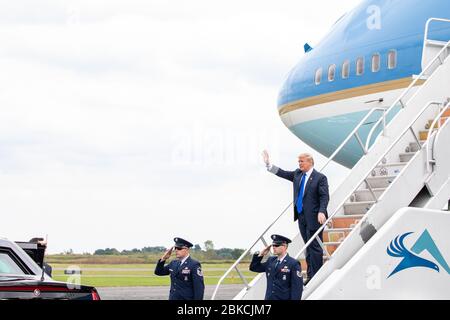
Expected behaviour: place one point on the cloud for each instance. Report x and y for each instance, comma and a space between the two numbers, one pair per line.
123, 123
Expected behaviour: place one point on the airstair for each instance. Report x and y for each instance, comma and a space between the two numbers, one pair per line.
405, 164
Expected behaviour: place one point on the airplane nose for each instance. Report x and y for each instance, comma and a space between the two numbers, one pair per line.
297, 86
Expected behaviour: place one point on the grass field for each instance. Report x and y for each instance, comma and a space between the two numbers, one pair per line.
130, 275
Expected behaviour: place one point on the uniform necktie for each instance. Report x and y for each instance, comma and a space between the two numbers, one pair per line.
276, 264
300, 194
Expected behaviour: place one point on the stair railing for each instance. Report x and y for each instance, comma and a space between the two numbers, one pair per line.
436, 122
365, 148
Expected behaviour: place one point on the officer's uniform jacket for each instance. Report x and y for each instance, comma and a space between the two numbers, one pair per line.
284, 282
186, 280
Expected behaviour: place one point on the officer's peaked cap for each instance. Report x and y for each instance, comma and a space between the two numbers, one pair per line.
179, 242
277, 239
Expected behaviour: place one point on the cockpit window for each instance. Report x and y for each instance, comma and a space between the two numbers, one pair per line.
376, 62
346, 69
360, 66
331, 72
318, 77
392, 59
7, 265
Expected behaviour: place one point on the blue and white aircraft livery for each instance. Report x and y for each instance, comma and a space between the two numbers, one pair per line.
369, 57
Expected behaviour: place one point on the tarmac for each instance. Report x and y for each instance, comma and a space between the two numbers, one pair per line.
226, 292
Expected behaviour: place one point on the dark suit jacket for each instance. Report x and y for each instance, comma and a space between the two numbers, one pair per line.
315, 198
186, 280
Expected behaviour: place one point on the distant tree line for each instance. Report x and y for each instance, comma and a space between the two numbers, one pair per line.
207, 253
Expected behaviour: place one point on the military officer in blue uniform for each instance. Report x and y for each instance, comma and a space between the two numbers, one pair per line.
185, 273
283, 273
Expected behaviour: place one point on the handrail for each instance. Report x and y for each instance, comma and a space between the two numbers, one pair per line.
431, 129
388, 150
362, 180
398, 100
413, 84
365, 149
343, 144
354, 132
427, 28
427, 25
246, 252
369, 136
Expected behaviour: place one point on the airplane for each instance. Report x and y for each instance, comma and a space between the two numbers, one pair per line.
368, 58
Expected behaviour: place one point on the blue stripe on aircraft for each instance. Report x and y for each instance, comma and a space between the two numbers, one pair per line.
402, 29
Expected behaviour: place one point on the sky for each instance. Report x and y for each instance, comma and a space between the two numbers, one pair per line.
126, 123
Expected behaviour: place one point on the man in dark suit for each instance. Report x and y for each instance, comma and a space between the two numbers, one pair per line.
283, 273
185, 273
311, 198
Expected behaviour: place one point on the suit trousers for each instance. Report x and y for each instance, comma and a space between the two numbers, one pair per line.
314, 253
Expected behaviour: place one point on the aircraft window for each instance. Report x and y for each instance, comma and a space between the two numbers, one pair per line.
376, 62
318, 77
359, 66
392, 59
345, 69
331, 72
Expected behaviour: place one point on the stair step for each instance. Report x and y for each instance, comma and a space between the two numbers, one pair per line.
423, 135
338, 229
332, 246
414, 147
366, 195
380, 182
406, 157
335, 235
414, 144
446, 113
424, 77
352, 208
392, 164
335, 243
437, 125
346, 221
389, 169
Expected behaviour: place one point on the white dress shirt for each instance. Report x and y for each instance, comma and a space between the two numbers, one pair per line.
280, 260
308, 175
184, 260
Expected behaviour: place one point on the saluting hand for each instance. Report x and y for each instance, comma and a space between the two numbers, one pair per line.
167, 254
265, 156
265, 251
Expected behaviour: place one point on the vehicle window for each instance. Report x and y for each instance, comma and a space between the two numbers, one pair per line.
8, 265
392, 59
359, 66
346, 69
331, 72
318, 77
376, 62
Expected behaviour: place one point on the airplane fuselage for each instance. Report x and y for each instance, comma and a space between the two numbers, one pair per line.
366, 61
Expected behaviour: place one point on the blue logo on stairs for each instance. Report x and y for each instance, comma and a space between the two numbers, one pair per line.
411, 257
